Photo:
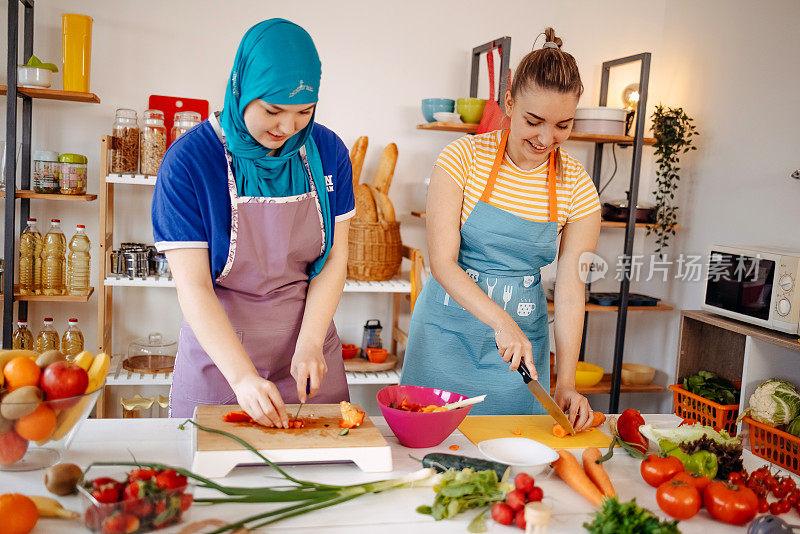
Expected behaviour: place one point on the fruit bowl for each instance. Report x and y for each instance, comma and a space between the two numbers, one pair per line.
39, 412
420, 429
636, 374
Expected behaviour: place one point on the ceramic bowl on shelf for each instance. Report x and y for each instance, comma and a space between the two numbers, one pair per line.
588, 375
34, 77
447, 116
471, 109
635, 374
349, 351
435, 105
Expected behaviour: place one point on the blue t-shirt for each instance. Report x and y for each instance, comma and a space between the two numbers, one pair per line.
191, 202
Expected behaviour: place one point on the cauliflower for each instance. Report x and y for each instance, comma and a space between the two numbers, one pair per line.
774, 402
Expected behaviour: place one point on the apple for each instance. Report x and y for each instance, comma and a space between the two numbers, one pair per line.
12, 448
61, 380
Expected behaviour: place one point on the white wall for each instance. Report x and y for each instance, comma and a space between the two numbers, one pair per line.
732, 65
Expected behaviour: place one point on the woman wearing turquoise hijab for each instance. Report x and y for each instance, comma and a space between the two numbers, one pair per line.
252, 208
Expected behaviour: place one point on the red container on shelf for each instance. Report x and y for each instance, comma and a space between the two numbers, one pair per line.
377, 355
349, 351
696, 409
774, 445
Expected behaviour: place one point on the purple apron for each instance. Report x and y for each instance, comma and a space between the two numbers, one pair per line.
263, 291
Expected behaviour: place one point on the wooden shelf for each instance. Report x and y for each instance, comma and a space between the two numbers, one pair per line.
54, 298
604, 224
575, 136
133, 179
605, 387
54, 94
591, 307
27, 193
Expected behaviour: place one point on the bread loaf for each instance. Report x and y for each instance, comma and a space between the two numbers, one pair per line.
365, 204
357, 154
385, 206
383, 176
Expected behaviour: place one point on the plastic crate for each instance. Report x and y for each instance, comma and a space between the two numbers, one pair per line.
774, 445
696, 409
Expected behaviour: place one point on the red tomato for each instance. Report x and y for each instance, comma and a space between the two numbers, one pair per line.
519, 518
516, 500
524, 482
133, 491
793, 498
141, 474
161, 505
106, 494
736, 478
98, 483
763, 506
657, 470
735, 505
693, 479
115, 524
785, 486
186, 501
502, 513
140, 508
678, 499
536, 494
170, 479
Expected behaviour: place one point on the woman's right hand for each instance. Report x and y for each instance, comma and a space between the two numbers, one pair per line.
513, 346
261, 400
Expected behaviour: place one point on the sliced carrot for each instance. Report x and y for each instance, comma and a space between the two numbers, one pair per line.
454, 447
559, 431
595, 471
598, 419
517, 432
571, 472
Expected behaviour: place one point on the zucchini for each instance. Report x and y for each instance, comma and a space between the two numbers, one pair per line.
442, 462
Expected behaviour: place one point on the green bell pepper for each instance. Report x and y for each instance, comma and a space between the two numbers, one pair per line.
701, 462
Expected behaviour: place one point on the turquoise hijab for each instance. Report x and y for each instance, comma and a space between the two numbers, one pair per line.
278, 63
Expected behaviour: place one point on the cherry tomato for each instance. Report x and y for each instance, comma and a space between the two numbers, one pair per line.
785, 486
763, 506
104, 481
106, 494
779, 507
170, 479
516, 500
524, 482
735, 505
536, 494
141, 474
736, 478
657, 470
519, 519
502, 513
132, 492
186, 501
678, 499
693, 479
793, 498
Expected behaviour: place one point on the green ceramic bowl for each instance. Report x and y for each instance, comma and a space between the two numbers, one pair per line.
471, 109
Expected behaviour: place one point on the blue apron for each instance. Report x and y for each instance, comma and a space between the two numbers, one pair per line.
448, 348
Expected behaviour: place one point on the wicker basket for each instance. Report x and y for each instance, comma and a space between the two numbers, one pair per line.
375, 249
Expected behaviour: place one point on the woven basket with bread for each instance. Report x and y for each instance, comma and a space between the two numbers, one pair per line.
375, 250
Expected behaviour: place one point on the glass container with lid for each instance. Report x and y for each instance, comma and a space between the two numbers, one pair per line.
125, 143
45, 172
184, 121
151, 354
72, 174
153, 141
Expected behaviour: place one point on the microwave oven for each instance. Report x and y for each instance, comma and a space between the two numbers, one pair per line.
757, 285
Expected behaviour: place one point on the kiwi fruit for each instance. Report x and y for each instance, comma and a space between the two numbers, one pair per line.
21, 402
62, 479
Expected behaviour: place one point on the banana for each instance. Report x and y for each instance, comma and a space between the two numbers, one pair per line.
69, 418
48, 507
98, 371
8, 355
84, 360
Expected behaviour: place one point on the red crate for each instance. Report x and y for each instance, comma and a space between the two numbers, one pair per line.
774, 445
695, 409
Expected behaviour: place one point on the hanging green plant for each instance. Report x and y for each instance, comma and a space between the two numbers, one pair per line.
673, 130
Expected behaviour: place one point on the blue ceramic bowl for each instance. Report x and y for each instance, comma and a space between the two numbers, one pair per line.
434, 105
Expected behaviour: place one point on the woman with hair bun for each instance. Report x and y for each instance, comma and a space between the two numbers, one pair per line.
497, 203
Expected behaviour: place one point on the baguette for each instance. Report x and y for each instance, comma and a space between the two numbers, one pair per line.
357, 154
385, 206
385, 172
365, 204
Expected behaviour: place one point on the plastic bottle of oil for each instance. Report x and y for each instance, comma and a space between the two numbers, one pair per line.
53, 260
22, 339
78, 262
48, 337
30, 260
72, 340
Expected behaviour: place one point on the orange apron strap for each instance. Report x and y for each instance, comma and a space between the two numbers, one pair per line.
551, 187
498, 160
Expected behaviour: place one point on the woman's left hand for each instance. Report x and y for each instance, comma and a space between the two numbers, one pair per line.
576, 406
308, 362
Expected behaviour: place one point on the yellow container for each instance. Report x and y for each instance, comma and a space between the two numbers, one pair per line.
77, 30
588, 375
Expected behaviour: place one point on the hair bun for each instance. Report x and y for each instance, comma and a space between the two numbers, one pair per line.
550, 37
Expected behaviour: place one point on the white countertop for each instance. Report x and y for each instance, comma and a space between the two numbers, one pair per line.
391, 512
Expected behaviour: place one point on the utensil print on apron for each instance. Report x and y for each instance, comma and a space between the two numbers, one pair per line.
500, 248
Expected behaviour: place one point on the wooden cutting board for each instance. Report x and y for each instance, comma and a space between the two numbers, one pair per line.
318, 441
536, 427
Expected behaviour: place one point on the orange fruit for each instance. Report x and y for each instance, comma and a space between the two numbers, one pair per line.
21, 371
38, 425
19, 514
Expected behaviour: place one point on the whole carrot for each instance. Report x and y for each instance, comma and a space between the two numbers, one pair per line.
571, 472
595, 471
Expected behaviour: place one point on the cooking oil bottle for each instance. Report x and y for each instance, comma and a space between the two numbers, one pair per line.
72, 340
30, 260
22, 339
48, 337
78, 263
53, 260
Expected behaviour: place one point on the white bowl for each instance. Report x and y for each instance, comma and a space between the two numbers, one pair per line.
519, 452
34, 77
446, 116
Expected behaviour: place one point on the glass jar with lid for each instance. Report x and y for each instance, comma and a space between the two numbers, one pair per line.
153, 141
151, 354
72, 174
45, 172
184, 121
125, 143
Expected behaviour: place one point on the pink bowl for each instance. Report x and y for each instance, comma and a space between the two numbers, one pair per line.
416, 429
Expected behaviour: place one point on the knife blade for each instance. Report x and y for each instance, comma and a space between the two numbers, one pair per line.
308, 391
545, 399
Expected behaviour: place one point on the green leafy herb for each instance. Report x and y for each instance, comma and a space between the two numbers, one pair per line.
37, 63
478, 523
712, 387
627, 518
462, 490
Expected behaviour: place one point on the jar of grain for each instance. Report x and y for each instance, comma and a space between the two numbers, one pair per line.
184, 121
45, 172
125, 143
72, 174
153, 141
